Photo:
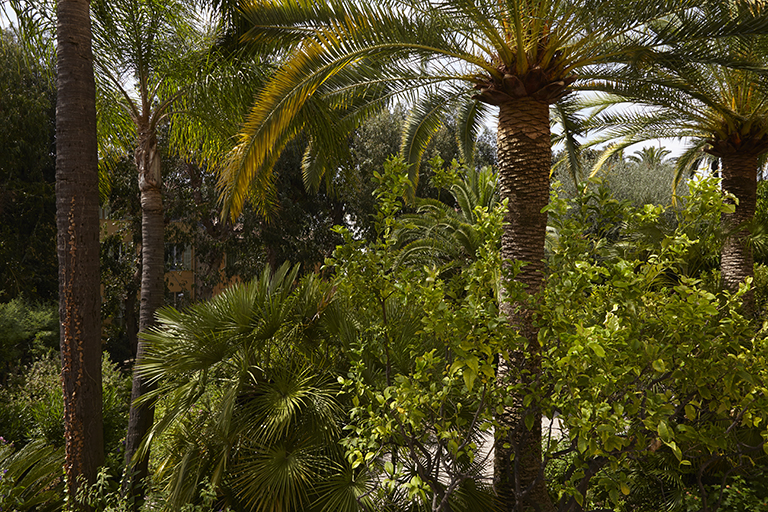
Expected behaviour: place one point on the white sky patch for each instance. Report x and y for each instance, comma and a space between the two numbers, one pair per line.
7, 16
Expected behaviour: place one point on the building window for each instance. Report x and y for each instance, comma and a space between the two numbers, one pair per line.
178, 257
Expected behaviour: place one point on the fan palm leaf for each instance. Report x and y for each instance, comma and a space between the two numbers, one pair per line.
239, 402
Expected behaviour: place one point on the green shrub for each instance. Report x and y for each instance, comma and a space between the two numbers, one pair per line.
32, 407
737, 496
27, 332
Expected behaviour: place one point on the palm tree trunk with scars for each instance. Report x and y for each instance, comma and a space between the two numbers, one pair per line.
740, 179
524, 154
77, 220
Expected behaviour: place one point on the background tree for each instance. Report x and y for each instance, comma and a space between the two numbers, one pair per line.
27, 174
138, 47
77, 221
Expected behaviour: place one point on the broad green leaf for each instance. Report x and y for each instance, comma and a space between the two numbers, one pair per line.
469, 378
597, 349
582, 445
664, 432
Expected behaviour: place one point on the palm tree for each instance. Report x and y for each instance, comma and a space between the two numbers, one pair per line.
141, 72
722, 109
245, 402
650, 157
444, 234
346, 59
77, 220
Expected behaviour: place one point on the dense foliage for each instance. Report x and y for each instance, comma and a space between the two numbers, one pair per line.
27, 174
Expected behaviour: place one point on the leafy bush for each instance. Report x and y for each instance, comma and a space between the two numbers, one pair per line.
645, 361
27, 332
32, 407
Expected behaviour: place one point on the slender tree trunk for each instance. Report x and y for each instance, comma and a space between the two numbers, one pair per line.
740, 179
77, 217
525, 154
141, 417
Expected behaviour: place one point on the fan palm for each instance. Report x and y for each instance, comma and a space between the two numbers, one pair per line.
723, 110
244, 403
347, 59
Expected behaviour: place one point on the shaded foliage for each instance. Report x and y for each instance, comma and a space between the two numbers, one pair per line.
28, 265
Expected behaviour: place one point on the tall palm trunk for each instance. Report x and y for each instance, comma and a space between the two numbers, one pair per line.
525, 154
141, 417
740, 179
77, 220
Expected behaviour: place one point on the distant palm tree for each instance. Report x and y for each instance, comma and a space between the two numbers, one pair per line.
346, 59
650, 157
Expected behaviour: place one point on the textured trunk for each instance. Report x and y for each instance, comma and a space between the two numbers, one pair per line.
524, 151
740, 179
152, 272
77, 197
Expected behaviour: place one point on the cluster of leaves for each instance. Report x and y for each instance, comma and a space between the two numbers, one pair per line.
241, 400
422, 362
644, 357
651, 372
31, 407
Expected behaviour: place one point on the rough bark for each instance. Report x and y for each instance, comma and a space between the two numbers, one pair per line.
524, 152
77, 217
740, 179
141, 416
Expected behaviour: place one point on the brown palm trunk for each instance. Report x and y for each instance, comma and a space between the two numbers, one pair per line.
152, 271
740, 179
77, 218
524, 151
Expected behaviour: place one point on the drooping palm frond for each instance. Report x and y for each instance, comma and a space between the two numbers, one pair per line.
31, 477
440, 234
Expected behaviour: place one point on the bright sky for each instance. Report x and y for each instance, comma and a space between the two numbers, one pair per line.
7, 16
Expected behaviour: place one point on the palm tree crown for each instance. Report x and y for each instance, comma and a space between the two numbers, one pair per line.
720, 105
